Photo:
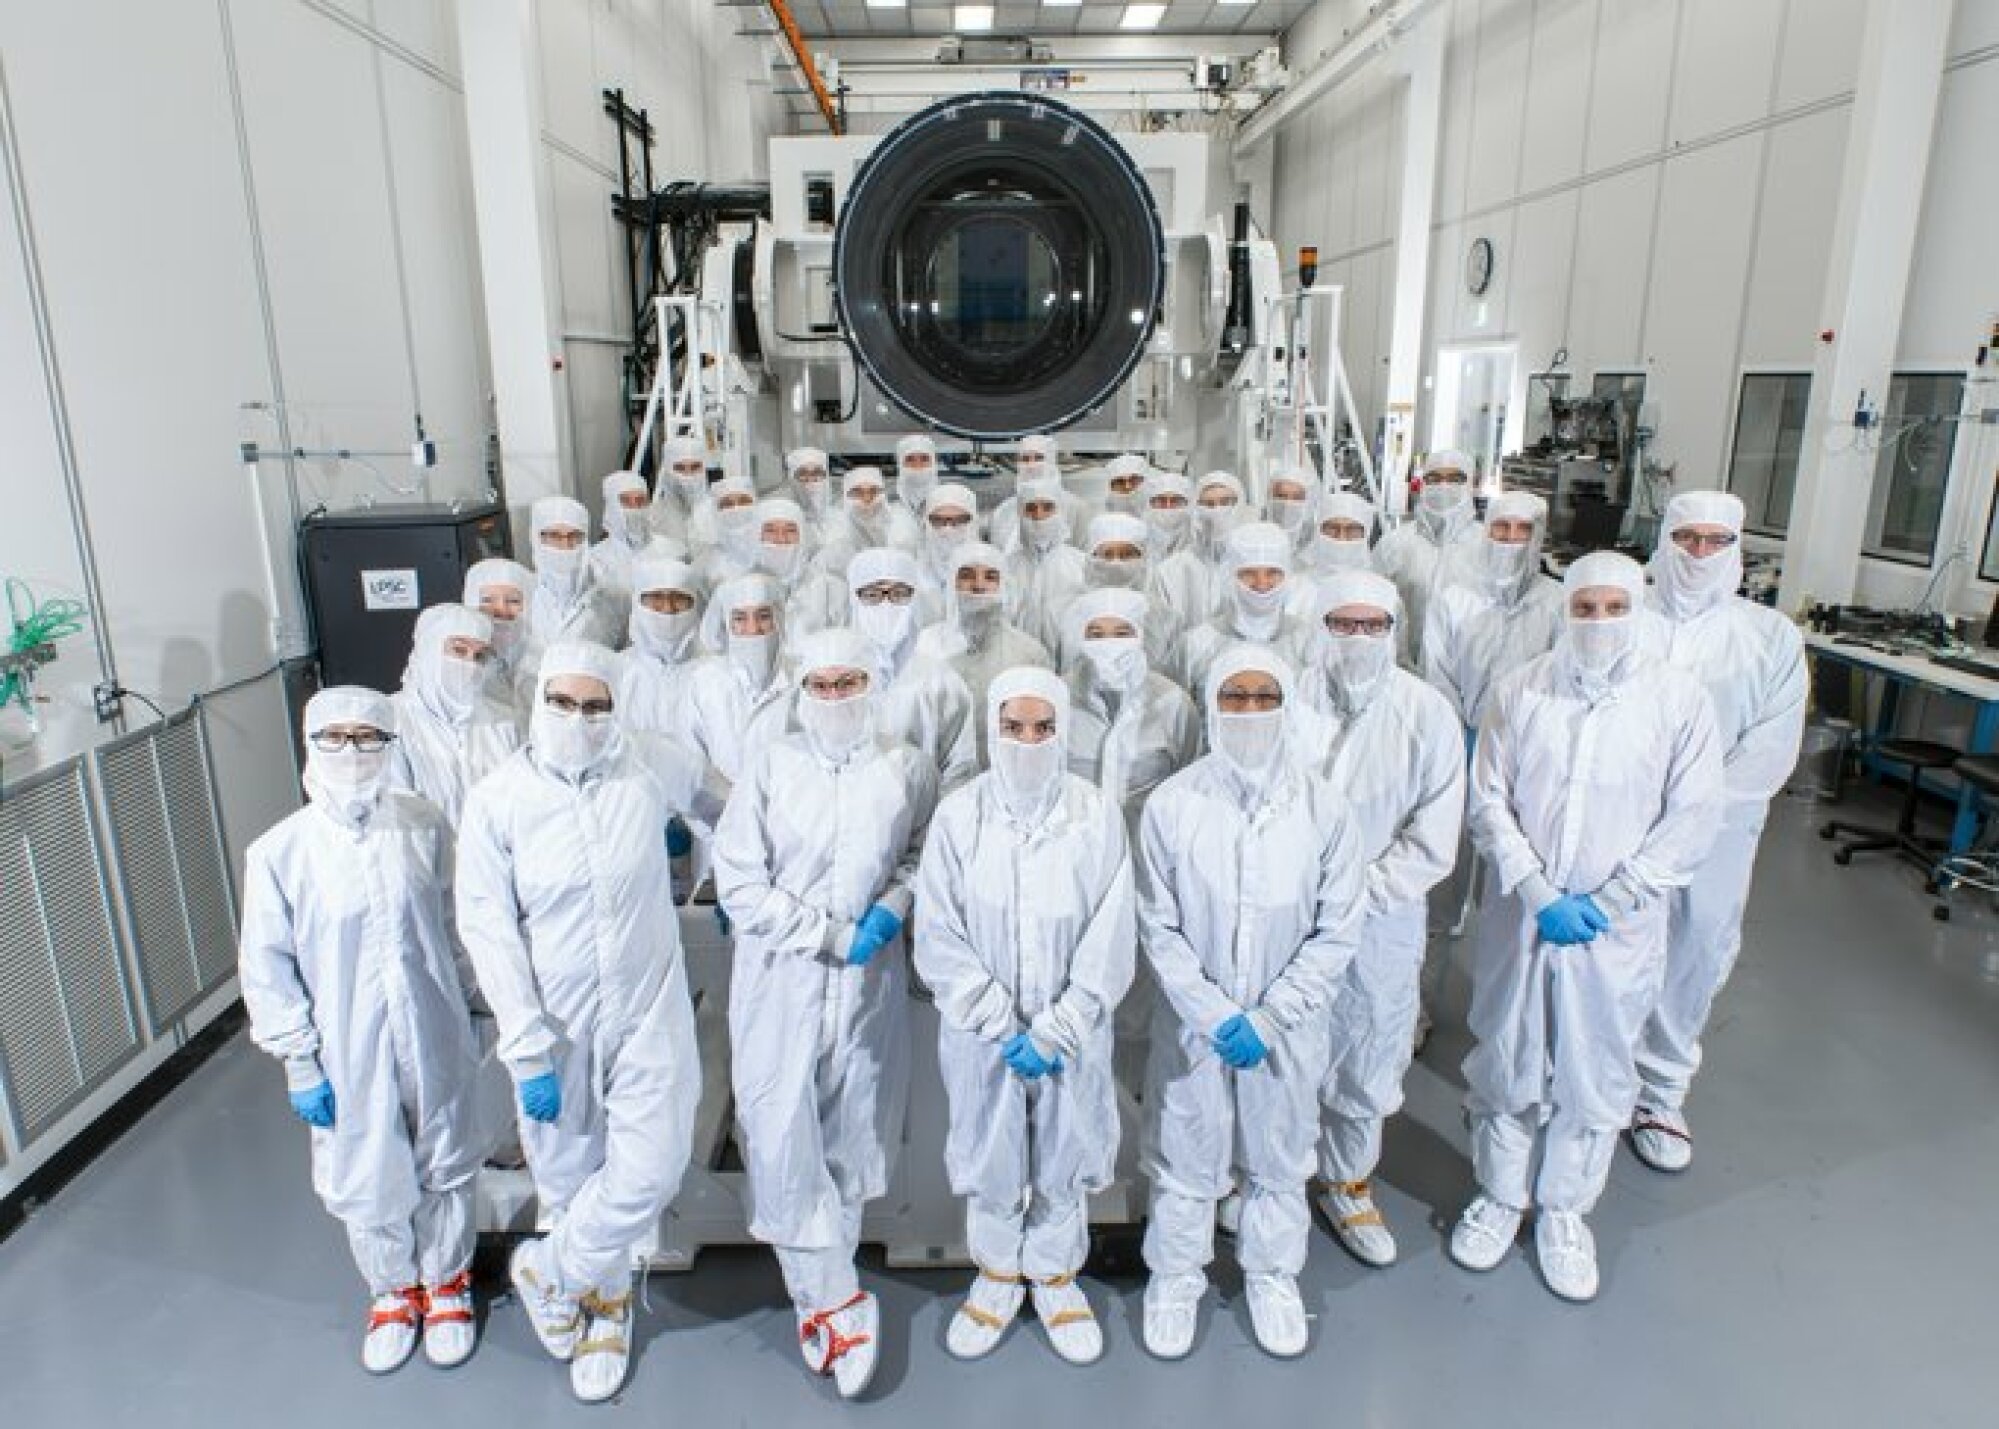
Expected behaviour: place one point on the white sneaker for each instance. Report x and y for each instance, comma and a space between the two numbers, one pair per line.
1567, 1253
1660, 1139
1357, 1222
556, 1317
1228, 1214
450, 1326
392, 1329
1172, 1309
1484, 1234
981, 1321
845, 1343
604, 1353
1277, 1314
1065, 1313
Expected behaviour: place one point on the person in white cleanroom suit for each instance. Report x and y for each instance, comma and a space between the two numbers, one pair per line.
726, 545
663, 627
352, 980
1124, 485
1178, 577
498, 589
450, 731
813, 862
1254, 608
950, 520
916, 474
1396, 755
1130, 727
975, 638
1044, 572
1338, 541
814, 598
1116, 559
681, 501
1040, 459
1250, 904
738, 700
1434, 548
1024, 931
1293, 494
1596, 792
1504, 613
868, 519
565, 903
565, 603
810, 473
627, 531
1752, 661
920, 701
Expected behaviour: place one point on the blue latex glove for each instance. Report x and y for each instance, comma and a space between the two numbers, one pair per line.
1571, 920
679, 842
315, 1105
541, 1097
1021, 1055
875, 931
1237, 1044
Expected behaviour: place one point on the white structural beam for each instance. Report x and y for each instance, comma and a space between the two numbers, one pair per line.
1382, 29
1902, 54
1421, 57
514, 214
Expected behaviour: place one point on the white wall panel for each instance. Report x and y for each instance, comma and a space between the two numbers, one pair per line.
422, 26
572, 109
1557, 101
1608, 300
1821, 50
1726, 59
1505, 36
1706, 211
1954, 280
1794, 239
1974, 26
1455, 142
1537, 268
1634, 49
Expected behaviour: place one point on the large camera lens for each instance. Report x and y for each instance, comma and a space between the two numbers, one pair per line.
998, 266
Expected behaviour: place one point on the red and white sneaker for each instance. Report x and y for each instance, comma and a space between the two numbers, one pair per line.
450, 1329
392, 1329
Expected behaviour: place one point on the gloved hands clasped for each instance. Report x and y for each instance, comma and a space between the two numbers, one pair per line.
314, 1105
1571, 920
541, 1097
1026, 1060
875, 931
1237, 1043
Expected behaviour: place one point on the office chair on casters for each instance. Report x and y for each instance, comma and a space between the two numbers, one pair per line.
1978, 866
1904, 840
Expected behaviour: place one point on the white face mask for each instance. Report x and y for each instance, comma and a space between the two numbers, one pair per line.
631, 528
734, 521
1028, 773
836, 727
1044, 533
885, 626
460, 682
1689, 584
1289, 513
561, 570
1249, 740
569, 744
1504, 564
779, 561
871, 516
1107, 574
1600, 644
1215, 522
1031, 466
664, 633
1129, 503
943, 541
506, 637
1340, 555
1357, 665
348, 779
1169, 521
914, 487
1444, 498
754, 655
1118, 660
690, 487
814, 496
978, 612
1260, 608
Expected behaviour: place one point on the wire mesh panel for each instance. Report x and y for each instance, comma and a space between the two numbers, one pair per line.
171, 863
66, 1012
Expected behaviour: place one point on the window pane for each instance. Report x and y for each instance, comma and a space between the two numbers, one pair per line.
1912, 469
1769, 433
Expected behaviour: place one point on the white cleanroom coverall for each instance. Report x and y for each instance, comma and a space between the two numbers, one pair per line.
1250, 902
1432, 549
450, 731
351, 976
820, 829
1260, 617
919, 701
975, 638
1024, 923
1396, 755
1502, 615
738, 700
1130, 727
1597, 772
566, 603
654, 671
1752, 662
565, 902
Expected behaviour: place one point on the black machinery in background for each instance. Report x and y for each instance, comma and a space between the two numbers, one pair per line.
1584, 455
369, 573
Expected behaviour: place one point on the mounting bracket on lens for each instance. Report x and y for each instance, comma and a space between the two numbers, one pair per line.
998, 266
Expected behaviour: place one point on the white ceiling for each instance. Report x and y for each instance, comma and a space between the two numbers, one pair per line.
855, 19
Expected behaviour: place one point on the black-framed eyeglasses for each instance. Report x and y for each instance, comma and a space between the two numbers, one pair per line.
897, 594
1237, 701
1374, 625
595, 711
363, 741
1696, 543
845, 687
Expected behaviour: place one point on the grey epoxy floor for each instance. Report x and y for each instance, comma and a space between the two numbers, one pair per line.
1830, 1260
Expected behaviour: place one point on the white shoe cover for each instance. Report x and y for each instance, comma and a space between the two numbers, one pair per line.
1567, 1253
603, 1354
450, 1331
1172, 1310
1659, 1138
556, 1318
981, 1322
392, 1330
1065, 1313
1484, 1234
1357, 1223
1277, 1314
